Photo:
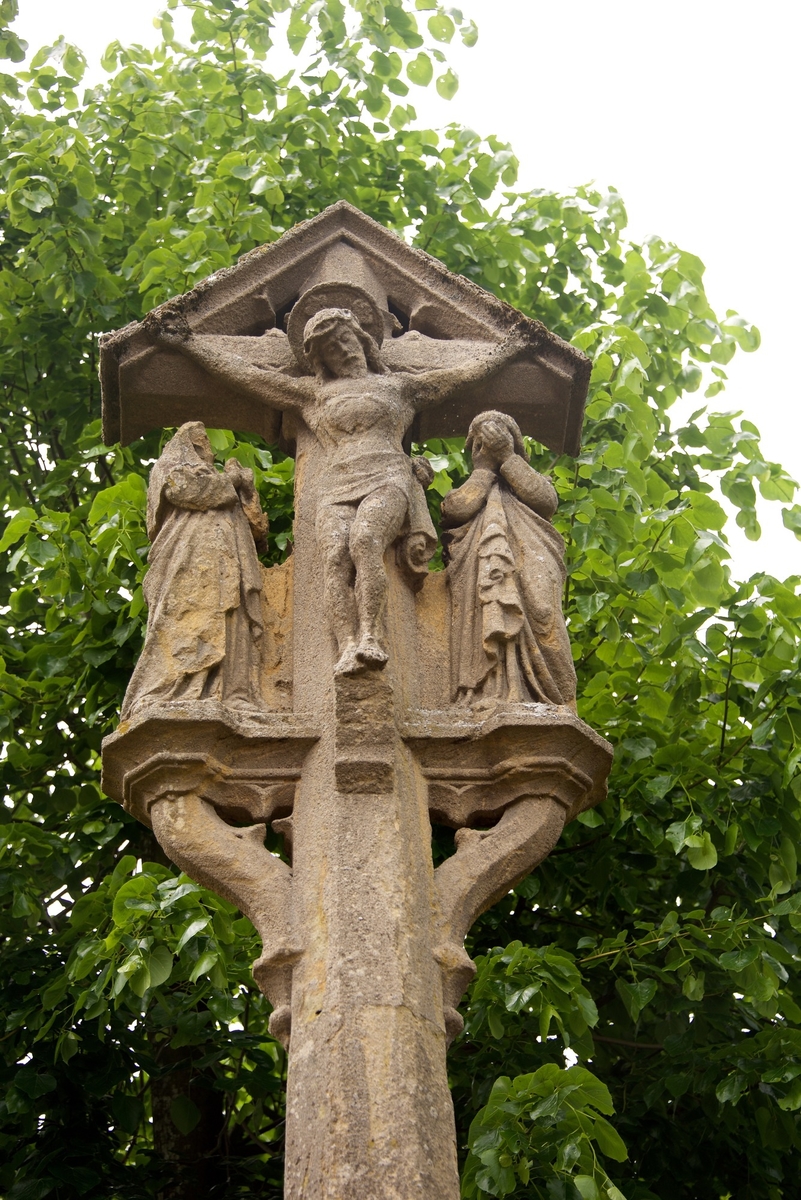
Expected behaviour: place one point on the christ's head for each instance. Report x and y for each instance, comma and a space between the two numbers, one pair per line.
338, 347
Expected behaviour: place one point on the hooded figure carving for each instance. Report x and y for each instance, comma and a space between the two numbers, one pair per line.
203, 585
505, 573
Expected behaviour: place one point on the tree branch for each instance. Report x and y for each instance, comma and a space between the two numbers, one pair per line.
596, 1037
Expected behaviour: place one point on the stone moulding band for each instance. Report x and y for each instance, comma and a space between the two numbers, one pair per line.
257, 791
473, 772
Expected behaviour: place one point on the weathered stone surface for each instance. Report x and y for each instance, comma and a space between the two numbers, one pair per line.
443, 320
362, 697
506, 573
203, 588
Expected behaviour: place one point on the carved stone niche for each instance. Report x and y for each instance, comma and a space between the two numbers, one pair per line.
428, 318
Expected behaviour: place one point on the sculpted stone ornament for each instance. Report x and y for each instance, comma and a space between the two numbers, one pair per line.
506, 574
359, 412
203, 586
259, 699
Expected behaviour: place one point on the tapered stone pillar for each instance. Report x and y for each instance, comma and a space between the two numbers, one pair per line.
369, 1112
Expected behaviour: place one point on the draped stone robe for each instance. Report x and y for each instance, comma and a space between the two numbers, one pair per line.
203, 587
506, 573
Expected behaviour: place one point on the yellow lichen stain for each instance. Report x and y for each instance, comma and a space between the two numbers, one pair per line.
277, 613
433, 612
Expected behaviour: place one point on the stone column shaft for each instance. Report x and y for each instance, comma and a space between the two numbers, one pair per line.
369, 1112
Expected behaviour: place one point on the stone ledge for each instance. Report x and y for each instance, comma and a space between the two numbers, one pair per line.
245, 762
476, 765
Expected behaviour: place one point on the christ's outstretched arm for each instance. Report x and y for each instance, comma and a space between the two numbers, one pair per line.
432, 387
264, 384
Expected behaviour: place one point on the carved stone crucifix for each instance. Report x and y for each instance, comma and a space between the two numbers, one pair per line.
350, 697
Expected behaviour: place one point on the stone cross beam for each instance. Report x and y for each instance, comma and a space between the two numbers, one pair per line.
351, 697
424, 316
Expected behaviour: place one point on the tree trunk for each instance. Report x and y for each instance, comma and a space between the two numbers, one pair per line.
192, 1159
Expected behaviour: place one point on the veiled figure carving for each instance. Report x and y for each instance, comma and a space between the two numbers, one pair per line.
203, 585
506, 572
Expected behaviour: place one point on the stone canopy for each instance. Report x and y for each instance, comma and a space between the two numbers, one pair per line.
423, 314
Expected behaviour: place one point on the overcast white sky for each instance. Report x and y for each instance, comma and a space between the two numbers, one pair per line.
689, 108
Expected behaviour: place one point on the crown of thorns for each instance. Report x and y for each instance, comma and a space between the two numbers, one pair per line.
326, 320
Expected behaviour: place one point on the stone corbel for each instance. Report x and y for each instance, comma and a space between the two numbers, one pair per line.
508, 785
234, 863
486, 865
209, 792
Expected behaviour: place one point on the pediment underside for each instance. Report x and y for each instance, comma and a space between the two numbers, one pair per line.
431, 318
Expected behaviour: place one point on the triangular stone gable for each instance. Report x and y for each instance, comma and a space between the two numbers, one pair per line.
429, 315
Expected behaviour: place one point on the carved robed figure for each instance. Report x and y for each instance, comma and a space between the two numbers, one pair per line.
204, 581
407, 696
506, 574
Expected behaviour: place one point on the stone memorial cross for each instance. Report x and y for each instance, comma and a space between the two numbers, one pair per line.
350, 696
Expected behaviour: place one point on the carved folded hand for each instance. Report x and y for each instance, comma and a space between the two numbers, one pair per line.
493, 444
241, 477
423, 471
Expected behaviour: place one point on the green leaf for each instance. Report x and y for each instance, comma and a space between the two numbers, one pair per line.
205, 964
34, 1083
791, 1102
469, 33
128, 1111
192, 929
791, 518
441, 27
17, 527
791, 905
731, 1088
134, 899
701, 852
635, 996
447, 85
738, 960
110, 56
184, 1114
420, 70
203, 29
496, 1025
297, 32
731, 839
160, 966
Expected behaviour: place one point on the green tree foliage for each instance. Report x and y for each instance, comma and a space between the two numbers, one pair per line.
657, 946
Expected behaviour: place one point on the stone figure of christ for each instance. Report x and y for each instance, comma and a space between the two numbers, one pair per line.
359, 412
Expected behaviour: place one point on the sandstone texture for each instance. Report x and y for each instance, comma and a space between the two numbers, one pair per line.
351, 697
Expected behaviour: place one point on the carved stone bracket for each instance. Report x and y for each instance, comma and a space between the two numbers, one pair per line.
476, 768
520, 776
214, 770
245, 763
